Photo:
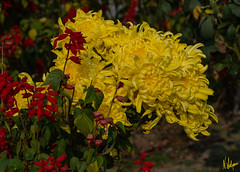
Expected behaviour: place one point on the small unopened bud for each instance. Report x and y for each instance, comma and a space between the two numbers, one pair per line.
103, 122
89, 138
97, 142
108, 120
97, 114
121, 99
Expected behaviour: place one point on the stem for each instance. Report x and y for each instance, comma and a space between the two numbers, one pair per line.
70, 105
236, 50
38, 131
24, 128
65, 64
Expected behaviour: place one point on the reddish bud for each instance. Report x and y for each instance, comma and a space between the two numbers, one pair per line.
108, 120
97, 142
121, 99
69, 87
89, 138
97, 114
103, 122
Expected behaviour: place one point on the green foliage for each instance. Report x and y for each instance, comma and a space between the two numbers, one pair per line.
54, 78
83, 121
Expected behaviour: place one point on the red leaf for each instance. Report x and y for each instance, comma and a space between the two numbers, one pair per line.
52, 100
137, 162
76, 59
69, 87
49, 167
32, 113
62, 157
39, 164
143, 155
52, 93
40, 89
24, 79
39, 95
11, 112
65, 168
26, 95
60, 37
149, 164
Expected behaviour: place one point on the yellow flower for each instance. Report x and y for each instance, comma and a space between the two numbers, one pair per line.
160, 74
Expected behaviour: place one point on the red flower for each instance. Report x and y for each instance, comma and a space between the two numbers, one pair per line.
44, 165
70, 16
131, 12
28, 42
85, 8
3, 141
76, 59
145, 166
37, 106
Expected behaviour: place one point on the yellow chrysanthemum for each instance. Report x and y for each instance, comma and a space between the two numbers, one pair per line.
160, 74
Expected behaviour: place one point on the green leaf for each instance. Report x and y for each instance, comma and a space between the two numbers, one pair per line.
91, 95
15, 165
236, 2
39, 156
226, 12
34, 144
46, 134
234, 69
19, 144
54, 78
73, 163
231, 31
29, 154
109, 149
112, 134
208, 49
80, 102
193, 4
166, 7
3, 164
207, 28
98, 100
89, 156
61, 147
235, 9
121, 126
24, 3
3, 161
100, 161
81, 166
83, 121
220, 66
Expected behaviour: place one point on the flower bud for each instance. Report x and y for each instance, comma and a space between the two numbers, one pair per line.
89, 138
97, 114
97, 142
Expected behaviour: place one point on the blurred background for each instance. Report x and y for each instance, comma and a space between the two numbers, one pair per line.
27, 26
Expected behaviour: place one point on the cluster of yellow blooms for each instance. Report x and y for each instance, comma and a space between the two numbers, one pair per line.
159, 74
